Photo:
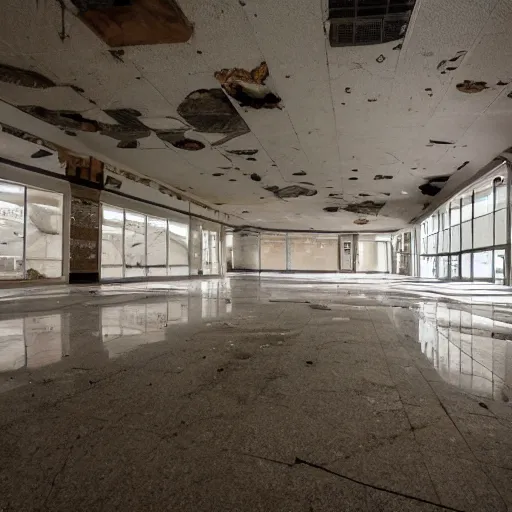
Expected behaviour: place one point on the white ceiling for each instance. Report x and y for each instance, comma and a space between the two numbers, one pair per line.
321, 129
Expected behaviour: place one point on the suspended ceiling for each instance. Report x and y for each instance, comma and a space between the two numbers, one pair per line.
347, 115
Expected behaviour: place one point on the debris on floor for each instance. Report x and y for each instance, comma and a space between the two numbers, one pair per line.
321, 307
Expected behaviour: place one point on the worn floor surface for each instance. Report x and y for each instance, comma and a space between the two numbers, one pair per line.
238, 395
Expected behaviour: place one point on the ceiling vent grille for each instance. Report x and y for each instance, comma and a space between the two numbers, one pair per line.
361, 22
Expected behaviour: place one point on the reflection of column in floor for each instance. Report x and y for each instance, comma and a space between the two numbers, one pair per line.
84, 338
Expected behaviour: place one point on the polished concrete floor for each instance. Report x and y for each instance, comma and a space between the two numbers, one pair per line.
272, 393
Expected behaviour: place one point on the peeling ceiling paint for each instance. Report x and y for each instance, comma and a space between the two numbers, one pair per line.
148, 98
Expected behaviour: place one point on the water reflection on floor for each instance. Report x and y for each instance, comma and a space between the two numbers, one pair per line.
469, 344
311, 392
95, 325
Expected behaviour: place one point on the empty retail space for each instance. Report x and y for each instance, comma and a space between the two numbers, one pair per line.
255, 256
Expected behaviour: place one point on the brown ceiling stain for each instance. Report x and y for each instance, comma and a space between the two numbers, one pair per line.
361, 222
24, 78
210, 111
291, 191
243, 152
248, 87
470, 87
188, 144
126, 23
365, 208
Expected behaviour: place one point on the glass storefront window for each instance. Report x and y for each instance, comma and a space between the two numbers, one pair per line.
484, 201
12, 231
112, 250
134, 244
482, 265
44, 233
31, 225
455, 212
157, 247
178, 247
443, 267
454, 267
273, 251
466, 266
467, 208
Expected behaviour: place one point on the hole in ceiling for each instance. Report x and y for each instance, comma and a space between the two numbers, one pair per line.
291, 191
361, 22
470, 87
251, 159
210, 111
331, 209
255, 177
24, 78
128, 22
355, 170
300, 173
218, 174
40, 153
243, 152
188, 144
248, 87
433, 185
362, 194
232, 179
365, 208
382, 177
353, 179
128, 144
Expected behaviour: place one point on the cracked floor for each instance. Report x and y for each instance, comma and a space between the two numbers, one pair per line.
303, 393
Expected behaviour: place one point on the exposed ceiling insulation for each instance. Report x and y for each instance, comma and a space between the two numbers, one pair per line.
257, 110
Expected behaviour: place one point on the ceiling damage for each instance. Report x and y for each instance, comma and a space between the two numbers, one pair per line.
239, 101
